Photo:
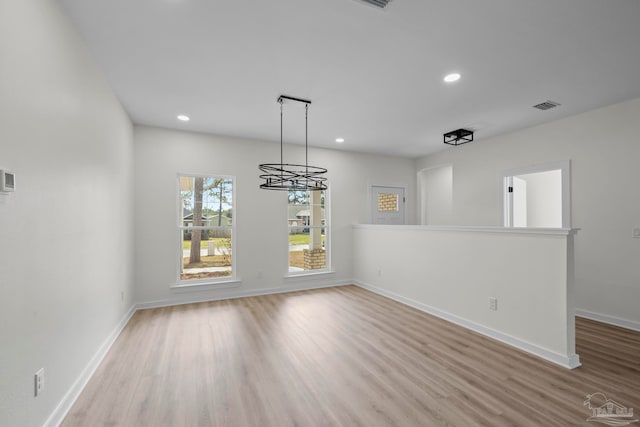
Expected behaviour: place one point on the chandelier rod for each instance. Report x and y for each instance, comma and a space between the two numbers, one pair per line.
306, 139
281, 150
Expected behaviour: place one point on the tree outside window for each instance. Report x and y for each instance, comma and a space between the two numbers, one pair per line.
205, 227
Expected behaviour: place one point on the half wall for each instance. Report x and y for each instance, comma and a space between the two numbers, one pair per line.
452, 272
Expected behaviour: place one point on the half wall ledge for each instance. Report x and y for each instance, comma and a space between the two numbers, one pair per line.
474, 228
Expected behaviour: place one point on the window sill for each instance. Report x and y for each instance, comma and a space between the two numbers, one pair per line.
204, 286
308, 273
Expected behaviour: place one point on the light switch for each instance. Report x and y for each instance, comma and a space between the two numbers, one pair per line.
636, 233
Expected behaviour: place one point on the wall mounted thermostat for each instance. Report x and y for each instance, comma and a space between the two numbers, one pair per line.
7, 181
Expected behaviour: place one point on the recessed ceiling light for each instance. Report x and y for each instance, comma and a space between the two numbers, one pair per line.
339, 140
453, 77
183, 118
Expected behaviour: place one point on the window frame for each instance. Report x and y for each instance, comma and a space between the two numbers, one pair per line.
225, 280
327, 238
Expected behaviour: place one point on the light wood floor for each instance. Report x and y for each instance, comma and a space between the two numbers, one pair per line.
342, 357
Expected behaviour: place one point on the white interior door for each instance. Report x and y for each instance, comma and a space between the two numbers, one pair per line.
387, 205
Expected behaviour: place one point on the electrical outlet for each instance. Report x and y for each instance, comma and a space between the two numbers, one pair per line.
39, 382
636, 233
379, 272
493, 304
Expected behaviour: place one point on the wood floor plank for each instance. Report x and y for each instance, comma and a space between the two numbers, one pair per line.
341, 357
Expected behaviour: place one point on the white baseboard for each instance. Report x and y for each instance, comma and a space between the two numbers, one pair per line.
571, 361
611, 320
242, 294
58, 414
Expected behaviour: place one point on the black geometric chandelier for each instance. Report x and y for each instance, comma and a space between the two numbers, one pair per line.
458, 137
286, 176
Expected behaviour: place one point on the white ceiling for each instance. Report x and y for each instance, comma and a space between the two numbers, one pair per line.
374, 76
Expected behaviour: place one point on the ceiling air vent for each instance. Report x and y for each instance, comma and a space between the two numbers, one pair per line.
547, 105
378, 3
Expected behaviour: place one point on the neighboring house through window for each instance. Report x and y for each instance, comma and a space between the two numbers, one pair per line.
308, 231
205, 229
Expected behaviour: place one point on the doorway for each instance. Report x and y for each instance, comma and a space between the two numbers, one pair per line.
435, 192
538, 196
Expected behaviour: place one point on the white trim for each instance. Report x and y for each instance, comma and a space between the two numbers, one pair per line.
611, 320
242, 294
306, 273
181, 228
61, 411
327, 236
540, 167
205, 286
572, 361
477, 229
65, 404
507, 202
565, 168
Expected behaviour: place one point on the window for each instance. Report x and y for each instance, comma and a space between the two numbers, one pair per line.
205, 229
308, 231
387, 202
387, 205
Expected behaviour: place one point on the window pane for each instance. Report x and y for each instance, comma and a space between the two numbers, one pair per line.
306, 208
206, 254
206, 211
387, 202
307, 248
206, 201
307, 223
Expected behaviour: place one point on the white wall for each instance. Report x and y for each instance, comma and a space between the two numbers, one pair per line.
260, 216
544, 199
453, 272
435, 195
604, 149
520, 208
66, 233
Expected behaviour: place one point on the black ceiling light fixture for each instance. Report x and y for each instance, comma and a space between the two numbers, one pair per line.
286, 176
378, 3
458, 137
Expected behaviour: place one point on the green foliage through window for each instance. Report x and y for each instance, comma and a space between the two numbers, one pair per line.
206, 227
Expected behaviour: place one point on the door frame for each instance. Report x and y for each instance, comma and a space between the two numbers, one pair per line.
565, 171
421, 205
